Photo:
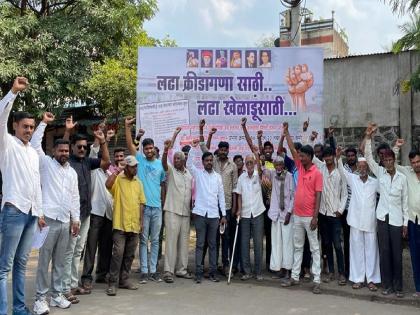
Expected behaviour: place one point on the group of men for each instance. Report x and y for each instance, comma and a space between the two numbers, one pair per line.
105, 212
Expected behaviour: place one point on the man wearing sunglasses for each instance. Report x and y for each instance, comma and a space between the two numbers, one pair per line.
83, 166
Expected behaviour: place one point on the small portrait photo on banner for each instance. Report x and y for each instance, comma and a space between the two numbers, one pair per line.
250, 59
207, 59
265, 59
221, 58
192, 58
236, 58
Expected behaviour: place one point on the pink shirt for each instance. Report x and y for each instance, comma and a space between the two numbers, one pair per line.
309, 183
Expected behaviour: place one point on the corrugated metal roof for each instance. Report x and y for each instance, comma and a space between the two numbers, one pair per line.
364, 55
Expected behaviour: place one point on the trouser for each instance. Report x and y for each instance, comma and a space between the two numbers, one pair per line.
176, 243
72, 256
331, 236
123, 251
364, 257
281, 246
225, 239
346, 242
206, 229
16, 235
302, 227
322, 233
252, 228
99, 238
152, 223
53, 249
414, 241
267, 233
390, 254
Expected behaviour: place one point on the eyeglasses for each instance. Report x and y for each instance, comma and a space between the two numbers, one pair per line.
81, 146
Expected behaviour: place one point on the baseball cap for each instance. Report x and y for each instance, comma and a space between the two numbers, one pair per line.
131, 160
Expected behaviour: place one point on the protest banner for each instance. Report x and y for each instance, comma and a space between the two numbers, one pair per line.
179, 86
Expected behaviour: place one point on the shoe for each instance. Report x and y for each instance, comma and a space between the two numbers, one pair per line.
60, 301
307, 277
213, 278
80, 291
198, 278
259, 277
342, 280
168, 277
278, 275
316, 289
372, 287
143, 278
41, 307
387, 291
245, 277
187, 275
328, 278
128, 286
71, 298
226, 271
155, 277
112, 290
289, 282
357, 286
399, 294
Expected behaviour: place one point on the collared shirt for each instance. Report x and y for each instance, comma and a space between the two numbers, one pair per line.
250, 190
275, 213
60, 193
361, 212
394, 192
128, 195
101, 198
151, 174
83, 168
19, 164
413, 192
309, 183
349, 169
209, 189
334, 192
178, 193
229, 173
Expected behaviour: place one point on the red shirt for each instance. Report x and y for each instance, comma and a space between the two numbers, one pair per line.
309, 183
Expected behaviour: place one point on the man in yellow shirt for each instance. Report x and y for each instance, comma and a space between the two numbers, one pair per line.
129, 201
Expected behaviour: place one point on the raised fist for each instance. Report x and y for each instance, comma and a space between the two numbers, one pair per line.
20, 84
109, 134
48, 117
129, 121
195, 143
99, 135
213, 131
399, 143
306, 125
202, 123
300, 80
259, 134
285, 128
177, 130
243, 121
167, 144
141, 133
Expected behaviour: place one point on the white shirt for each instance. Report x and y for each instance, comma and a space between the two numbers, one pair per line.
334, 191
394, 196
251, 195
102, 200
60, 192
361, 212
19, 165
209, 194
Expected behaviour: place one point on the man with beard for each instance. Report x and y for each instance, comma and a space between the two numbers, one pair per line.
412, 173
60, 195
228, 171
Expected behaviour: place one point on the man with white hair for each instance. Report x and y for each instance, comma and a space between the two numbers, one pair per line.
177, 210
280, 212
364, 251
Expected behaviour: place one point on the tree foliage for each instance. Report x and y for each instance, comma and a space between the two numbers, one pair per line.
113, 82
266, 41
54, 42
411, 38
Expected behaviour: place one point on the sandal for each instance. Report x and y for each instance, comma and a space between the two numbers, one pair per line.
80, 291
128, 286
372, 287
187, 275
356, 286
168, 279
71, 298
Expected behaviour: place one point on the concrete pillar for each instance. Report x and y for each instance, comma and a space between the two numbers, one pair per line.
405, 102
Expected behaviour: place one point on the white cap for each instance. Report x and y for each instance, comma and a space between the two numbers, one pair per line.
361, 159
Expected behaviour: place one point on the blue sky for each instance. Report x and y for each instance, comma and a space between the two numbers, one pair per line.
370, 24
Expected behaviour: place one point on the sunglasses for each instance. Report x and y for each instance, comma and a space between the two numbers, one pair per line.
81, 146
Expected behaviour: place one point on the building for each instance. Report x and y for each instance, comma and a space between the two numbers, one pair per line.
325, 33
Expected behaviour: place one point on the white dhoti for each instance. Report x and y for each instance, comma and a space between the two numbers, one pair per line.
281, 246
364, 257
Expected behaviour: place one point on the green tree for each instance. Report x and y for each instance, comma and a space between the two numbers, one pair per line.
266, 41
113, 82
411, 37
54, 42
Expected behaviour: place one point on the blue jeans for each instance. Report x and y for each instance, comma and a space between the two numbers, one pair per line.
16, 233
152, 222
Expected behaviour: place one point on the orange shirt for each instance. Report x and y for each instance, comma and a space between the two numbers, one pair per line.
309, 183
